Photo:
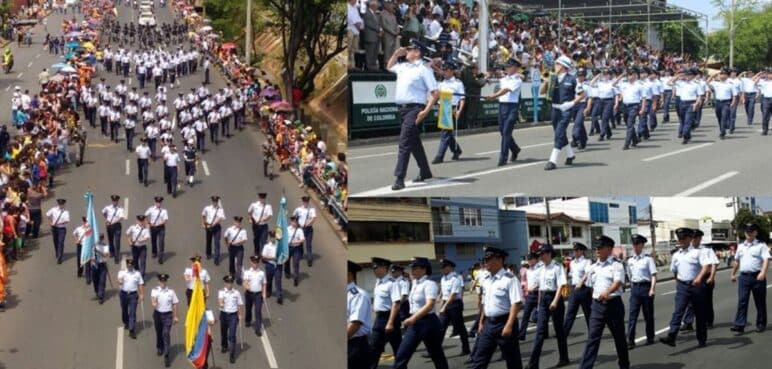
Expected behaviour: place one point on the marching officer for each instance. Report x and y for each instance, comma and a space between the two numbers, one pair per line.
157, 217
132, 287
532, 292
231, 309
689, 267
235, 236
498, 321
203, 275
687, 92
306, 216
58, 217
255, 293
603, 86
633, 96
579, 132
423, 324
509, 101
452, 308
456, 87
99, 268
211, 217
296, 240
764, 81
752, 260
260, 214
708, 286
643, 283
415, 81
564, 97
273, 270
724, 94
114, 214
138, 235
143, 157
397, 272
387, 298
164, 301
358, 321
81, 232
581, 294
551, 278
606, 277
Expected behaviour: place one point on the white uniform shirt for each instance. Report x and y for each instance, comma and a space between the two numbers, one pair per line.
358, 309
165, 297
212, 214
305, 215
722, 90
751, 255
451, 283
130, 280
297, 237
605, 89
632, 93
532, 278
414, 82
502, 290
687, 90
138, 234
551, 277
513, 83
748, 86
143, 152
202, 274
235, 235
578, 269
79, 232
59, 217
156, 215
453, 86
256, 279
687, 262
385, 293
603, 274
260, 212
269, 251
641, 267
423, 290
231, 300
765, 86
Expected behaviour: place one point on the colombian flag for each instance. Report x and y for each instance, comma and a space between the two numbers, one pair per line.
196, 337
445, 113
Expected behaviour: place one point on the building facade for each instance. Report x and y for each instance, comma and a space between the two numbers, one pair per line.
564, 231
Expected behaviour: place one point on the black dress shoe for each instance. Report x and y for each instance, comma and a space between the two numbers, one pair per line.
601, 139
649, 342
701, 344
233, 358
570, 161
760, 329
279, 301
259, 333
167, 362
630, 345
295, 283
684, 142
457, 155
133, 335
669, 340
687, 328
437, 161
625, 147
550, 166
573, 144
501, 163
159, 352
398, 185
513, 156
465, 352
737, 329
562, 363
421, 178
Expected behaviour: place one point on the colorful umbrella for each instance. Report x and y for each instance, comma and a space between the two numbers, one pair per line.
268, 92
58, 66
72, 44
228, 46
68, 69
281, 106
205, 29
74, 34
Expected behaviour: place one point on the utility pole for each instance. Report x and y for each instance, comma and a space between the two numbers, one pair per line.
248, 47
549, 220
482, 59
653, 232
731, 35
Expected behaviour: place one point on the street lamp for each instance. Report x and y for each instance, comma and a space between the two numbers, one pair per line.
732, 30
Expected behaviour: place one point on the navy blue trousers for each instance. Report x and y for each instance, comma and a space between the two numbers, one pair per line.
410, 144
686, 294
766, 112
273, 277
454, 314
579, 132
710, 314
379, 337
750, 106
447, 140
722, 115
212, 235
427, 330
236, 261
667, 95
163, 327
114, 240
139, 254
606, 111
260, 237
640, 299
543, 324
560, 121
308, 232
531, 302
507, 120
253, 302
612, 314
129, 309
58, 234
228, 324
579, 297
686, 119
630, 114
595, 114
99, 277
747, 285
490, 338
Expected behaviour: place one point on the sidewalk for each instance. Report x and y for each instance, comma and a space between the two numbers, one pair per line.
664, 274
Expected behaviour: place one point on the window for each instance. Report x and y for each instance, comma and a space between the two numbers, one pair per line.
470, 217
596, 232
613, 205
558, 235
576, 232
625, 236
534, 230
719, 234
439, 250
467, 250
633, 212
388, 232
598, 212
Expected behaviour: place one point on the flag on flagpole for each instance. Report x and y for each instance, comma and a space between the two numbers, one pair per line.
91, 237
196, 337
445, 112
282, 247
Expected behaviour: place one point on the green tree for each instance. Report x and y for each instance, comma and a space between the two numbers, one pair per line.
313, 32
693, 40
753, 34
745, 216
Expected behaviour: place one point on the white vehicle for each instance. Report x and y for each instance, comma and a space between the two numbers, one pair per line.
146, 19
145, 9
147, 3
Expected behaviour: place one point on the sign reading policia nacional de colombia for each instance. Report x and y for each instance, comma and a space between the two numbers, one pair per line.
372, 108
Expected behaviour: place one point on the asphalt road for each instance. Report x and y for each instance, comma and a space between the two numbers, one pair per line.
724, 350
52, 320
661, 166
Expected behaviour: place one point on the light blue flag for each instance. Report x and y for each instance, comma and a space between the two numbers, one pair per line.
91, 237
282, 248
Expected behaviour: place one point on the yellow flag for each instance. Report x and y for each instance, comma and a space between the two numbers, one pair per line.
445, 113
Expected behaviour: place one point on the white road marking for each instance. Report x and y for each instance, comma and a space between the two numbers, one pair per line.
677, 152
411, 186
119, 349
37, 56
643, 338
8, 88
126, 206
29, 64
669, 293
129, 81
769, 285
206, 167
372, 155
269, 351
521, 147
706, 184
20, 74
128, 166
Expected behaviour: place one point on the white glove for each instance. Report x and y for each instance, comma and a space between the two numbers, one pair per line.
566, 106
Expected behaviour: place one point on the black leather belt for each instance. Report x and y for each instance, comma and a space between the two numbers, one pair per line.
750, 273
722, 101
640, 283
410, 106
